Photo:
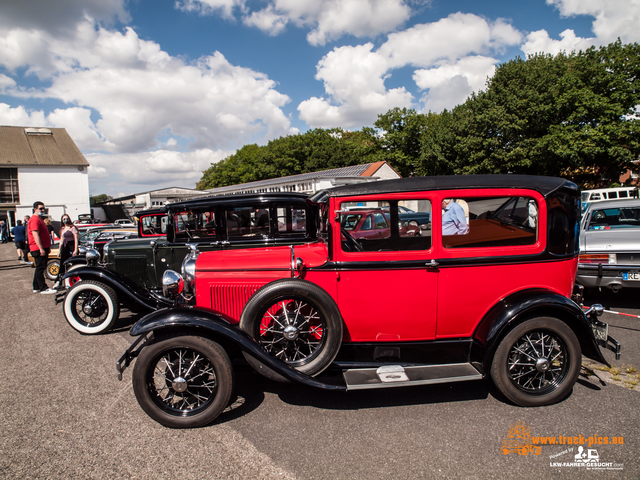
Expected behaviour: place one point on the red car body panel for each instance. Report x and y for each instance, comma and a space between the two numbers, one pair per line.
380, 301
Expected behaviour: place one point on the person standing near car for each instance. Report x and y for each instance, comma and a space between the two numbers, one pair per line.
454, 221
39, 247
68, 244
19, 237
47, 222
4, 233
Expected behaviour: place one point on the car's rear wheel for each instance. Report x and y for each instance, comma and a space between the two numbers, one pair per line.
183, 382
91, 307
537, 363
295, 321
53, 268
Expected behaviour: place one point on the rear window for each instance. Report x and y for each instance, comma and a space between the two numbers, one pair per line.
614, 218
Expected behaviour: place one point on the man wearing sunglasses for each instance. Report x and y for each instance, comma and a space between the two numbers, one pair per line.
39, 247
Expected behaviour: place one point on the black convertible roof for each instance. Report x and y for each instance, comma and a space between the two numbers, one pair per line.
236, 199
544, 185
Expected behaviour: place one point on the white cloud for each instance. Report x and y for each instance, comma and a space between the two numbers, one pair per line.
613, 19
6, 82
135, 172
328, 19
21, 117
354, 80
354, 76
451, 84
540, 42
267, 20
449, 38
59, 18
137, 91
206, 7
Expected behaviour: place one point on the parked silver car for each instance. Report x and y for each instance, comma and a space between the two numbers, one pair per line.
610, 245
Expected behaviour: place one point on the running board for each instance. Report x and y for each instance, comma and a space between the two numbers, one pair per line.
399, 376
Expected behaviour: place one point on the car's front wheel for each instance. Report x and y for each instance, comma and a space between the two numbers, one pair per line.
295, 321
91, 307
183, 382
537, 363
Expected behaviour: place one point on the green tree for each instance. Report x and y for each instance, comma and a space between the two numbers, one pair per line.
401, 131
566, 115
103, 197
315, 150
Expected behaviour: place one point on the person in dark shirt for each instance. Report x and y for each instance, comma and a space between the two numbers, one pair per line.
19, 233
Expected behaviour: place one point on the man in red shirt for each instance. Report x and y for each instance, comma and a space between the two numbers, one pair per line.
39, 247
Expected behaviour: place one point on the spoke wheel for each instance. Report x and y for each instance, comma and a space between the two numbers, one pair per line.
91, 307
292, 330
183, 382
295, 321
537, 363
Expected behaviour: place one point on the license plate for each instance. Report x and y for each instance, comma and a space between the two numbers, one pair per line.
600, 331
631, 275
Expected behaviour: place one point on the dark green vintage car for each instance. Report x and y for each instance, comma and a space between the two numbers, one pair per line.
129, 272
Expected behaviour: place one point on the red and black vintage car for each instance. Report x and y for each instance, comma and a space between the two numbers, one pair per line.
484, 291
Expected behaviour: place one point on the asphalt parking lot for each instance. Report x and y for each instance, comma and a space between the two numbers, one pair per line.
66, 415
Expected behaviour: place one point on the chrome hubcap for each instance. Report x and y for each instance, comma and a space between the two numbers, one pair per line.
290, 333
179, 384
542, 364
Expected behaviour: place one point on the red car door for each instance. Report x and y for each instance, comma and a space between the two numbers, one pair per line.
387, 286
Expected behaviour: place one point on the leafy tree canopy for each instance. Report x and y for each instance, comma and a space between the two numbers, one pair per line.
96, 199
314, 150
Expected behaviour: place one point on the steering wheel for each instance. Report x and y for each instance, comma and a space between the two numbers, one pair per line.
350, 241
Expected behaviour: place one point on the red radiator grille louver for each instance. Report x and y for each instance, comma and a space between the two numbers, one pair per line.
231, 299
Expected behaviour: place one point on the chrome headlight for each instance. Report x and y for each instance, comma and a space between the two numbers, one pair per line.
92, 256
189, 270
172, 284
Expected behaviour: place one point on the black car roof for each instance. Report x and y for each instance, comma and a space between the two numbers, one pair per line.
240, 199
544, 185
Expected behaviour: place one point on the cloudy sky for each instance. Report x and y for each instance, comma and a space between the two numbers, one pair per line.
154, 91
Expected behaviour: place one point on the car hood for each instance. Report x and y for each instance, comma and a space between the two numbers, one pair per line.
627, 240
269, 258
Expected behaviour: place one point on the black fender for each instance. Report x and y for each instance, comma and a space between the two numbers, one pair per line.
122, 285
520, 306
211, 325
73, 261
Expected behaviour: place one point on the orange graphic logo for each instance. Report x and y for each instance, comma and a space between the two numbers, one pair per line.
519, 440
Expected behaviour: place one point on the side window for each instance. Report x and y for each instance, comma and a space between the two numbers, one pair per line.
385, 225
291, 220
195, 225
154, 225
245, 222
489, 222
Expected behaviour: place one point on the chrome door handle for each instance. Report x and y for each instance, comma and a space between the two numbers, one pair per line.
432, 264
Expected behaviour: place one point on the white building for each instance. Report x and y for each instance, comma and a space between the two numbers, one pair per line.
41, 164
136, 202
